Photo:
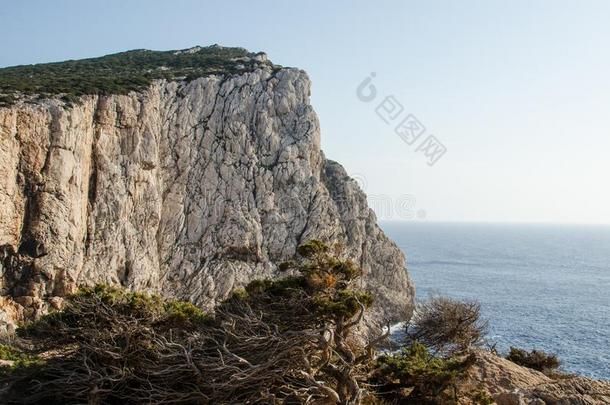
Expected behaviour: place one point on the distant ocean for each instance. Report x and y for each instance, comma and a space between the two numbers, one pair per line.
540, 286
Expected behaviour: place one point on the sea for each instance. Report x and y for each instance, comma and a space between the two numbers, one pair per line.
544, 287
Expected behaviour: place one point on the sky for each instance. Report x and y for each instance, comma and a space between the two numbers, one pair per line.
515, 92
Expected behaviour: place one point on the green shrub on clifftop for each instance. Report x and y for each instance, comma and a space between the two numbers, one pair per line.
414, 375
118, 73
536, 359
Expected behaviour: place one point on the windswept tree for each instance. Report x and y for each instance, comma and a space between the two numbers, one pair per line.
321, 298
436, 355
287, 341
446, 325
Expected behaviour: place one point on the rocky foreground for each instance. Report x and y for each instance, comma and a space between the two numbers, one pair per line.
511, 384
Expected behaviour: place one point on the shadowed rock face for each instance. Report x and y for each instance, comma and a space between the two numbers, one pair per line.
188, 188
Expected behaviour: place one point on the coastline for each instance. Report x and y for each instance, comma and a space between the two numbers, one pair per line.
508, 268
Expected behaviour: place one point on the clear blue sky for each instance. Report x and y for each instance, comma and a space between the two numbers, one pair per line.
517, 91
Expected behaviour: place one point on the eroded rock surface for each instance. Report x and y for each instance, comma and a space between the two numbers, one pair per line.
188, 188
511, 384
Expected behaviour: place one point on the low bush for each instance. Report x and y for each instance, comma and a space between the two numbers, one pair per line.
323, 287
416, 376
14, 358
447, 325
536, 359
10, 353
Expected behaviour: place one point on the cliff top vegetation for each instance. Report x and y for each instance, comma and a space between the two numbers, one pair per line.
121, 73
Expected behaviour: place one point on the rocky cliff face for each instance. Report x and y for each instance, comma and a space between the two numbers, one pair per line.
190, 188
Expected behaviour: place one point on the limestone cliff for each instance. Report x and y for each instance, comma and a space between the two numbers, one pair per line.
187, 187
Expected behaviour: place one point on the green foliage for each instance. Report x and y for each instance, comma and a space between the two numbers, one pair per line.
124, 301
101, 306
311, 248
117, 73
416, 369
283, 287
536, 359
239, 294
17, 357
347, 269
322, 285
184, 315
345, 303
9, 353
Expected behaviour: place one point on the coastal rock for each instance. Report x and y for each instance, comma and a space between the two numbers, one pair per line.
189, 188
510, 384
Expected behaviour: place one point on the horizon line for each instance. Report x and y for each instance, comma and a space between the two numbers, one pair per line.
494, 222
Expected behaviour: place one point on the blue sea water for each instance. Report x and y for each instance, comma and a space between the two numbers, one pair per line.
540, 286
